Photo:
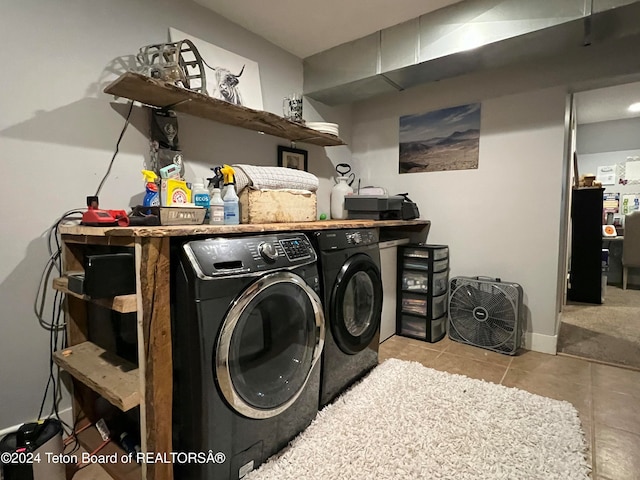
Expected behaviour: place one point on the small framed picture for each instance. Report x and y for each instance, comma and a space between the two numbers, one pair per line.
292, 158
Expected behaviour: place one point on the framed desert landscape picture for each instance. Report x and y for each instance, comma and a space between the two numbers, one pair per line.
446, 139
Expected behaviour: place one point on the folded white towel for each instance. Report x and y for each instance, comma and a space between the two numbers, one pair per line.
274, 178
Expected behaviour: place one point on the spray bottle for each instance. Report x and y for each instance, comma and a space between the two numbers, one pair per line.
230, 197
151, 198
216, 204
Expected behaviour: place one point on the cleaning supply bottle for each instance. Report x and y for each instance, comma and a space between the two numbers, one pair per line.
338, 192
151, 198
230, 197
201, 198
216, 208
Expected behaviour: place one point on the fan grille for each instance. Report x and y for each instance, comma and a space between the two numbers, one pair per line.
485, 314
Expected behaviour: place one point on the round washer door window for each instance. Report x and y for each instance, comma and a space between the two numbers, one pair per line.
356, 304
271, 339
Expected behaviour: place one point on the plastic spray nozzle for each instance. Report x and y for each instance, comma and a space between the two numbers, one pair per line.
149, 176
229, 173
217, 179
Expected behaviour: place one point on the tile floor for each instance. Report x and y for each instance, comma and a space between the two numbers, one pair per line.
607, 398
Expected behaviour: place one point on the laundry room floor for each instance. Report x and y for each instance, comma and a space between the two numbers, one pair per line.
607, 398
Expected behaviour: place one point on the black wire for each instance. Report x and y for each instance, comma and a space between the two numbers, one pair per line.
57, 332
124, 129
55, 260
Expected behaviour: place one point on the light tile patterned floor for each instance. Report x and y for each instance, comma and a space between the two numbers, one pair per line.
607, 398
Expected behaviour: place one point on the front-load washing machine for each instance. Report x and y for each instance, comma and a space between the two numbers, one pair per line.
352, 294
247, 335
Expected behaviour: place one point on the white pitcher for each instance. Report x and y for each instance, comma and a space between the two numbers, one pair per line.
338, 192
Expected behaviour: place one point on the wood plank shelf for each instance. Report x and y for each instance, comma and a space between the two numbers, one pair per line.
116, 379
90, 439
121, 303
190, 230
157, 93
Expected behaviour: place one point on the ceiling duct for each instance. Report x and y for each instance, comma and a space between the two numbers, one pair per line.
465, 37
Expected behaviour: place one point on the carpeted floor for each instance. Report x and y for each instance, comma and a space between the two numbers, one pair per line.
406, 421
608, 333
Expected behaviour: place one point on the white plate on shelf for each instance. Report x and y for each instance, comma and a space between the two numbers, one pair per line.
331, 128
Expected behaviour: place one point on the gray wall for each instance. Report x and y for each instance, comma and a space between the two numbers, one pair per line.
58, 133
504, 219
501, 220
611, 136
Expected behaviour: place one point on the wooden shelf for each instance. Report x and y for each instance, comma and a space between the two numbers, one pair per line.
121, 303
191, 230
90, 439
116, 379
157, 93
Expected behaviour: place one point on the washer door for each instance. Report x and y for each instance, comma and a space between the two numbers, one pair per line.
356, 304
271, 338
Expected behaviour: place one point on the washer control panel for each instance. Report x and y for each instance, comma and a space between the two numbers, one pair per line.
296, 249
215, 257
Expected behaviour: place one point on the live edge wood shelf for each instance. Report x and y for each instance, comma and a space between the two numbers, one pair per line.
149, 386
115, 379
157, 93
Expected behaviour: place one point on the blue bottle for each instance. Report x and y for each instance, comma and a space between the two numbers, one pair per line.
151, 198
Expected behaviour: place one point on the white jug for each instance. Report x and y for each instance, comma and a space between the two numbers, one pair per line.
338, 192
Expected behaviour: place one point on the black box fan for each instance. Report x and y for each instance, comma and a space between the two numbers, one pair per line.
486, 313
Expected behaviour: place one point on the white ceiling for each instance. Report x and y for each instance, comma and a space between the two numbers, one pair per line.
306, 27
609, 103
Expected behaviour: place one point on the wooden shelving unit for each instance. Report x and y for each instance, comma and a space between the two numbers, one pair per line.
149, 386
144, 390
121, 304
157, 93
105, 373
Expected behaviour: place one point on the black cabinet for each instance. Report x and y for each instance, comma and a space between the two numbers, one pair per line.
585, 277
422, 291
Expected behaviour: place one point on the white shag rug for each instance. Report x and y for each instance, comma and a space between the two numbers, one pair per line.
406, 421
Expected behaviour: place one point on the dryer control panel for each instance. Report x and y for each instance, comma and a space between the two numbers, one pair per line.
340, 239
215, 257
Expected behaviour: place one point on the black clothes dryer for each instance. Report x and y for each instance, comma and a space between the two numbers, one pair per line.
351, 284
248, 332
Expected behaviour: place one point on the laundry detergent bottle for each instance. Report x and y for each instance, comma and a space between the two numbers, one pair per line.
340, 190
151, 198
230, 197
200, 196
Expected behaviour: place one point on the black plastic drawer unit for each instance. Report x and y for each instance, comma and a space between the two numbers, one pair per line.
422, 295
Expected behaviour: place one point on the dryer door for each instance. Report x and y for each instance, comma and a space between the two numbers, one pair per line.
271, 338
356, 304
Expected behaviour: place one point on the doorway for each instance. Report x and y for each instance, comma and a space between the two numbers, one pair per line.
606, 140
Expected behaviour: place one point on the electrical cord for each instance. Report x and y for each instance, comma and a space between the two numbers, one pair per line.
115, 153
56, 326
54, 261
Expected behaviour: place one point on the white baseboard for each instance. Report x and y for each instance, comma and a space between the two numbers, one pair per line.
65, 415
541, 343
